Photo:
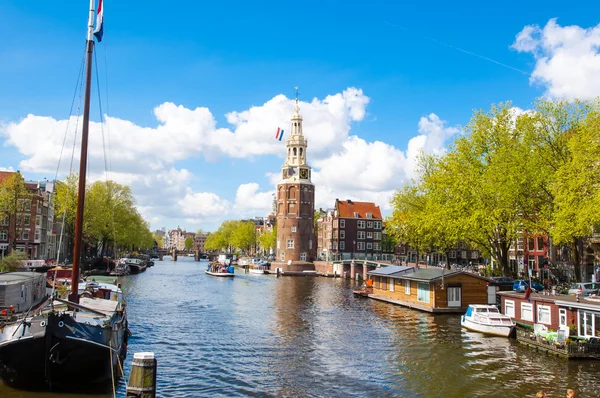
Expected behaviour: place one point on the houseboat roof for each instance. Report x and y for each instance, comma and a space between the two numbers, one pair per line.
427, 274
12, 277
391, 269
566, 300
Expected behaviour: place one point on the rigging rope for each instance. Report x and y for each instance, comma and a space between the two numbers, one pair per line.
78, 86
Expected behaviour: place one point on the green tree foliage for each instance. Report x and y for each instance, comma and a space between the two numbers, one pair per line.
160, 240
509, 173
268, 239
189, 244
110, 215
15, 199
243, 236
13, 261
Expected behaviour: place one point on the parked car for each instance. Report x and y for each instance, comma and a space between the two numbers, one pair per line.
521, 285
584, 289
503, 283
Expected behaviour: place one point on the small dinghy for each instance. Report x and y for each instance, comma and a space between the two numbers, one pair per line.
486, 319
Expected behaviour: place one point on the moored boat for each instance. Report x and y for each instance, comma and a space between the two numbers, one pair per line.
487, 319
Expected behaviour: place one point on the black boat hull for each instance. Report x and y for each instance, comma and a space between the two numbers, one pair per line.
69, 357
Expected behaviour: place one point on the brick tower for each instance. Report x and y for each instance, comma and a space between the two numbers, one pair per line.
296, 204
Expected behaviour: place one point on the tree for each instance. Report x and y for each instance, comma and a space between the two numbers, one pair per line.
160, 240
268, 239
15, 201
576, 189
13, 261
189, 243
244, 236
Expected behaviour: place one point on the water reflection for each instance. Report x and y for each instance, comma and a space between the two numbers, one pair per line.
256, 335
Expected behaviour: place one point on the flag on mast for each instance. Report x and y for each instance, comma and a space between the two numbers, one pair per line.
279, 134
99, 22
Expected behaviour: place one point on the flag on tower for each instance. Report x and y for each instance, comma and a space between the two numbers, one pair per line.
279, 134
99, 22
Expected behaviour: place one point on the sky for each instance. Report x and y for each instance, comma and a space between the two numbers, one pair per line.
187, 95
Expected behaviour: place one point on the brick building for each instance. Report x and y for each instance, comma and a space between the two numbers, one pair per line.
199, 241
529, 252
351, 230
296, 243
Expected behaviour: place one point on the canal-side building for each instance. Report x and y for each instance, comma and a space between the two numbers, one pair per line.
296, 243
351, 230
431, 289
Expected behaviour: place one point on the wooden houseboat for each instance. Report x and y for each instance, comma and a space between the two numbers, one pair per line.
564, 325
431, 289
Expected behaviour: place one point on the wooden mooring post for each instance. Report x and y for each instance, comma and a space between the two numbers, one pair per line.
142, 379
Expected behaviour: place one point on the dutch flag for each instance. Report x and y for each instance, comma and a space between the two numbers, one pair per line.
99, 22
279, 134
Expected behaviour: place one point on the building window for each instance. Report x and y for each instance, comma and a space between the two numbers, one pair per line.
360, 245
355, 215
540, 243
452, 254
25, 234
369, 235
360, 224
282, 256
544, 314
342, 234
360, 235
391, 284
37, 235
369, 215
27, 204
509, 308
530, 244
423, 292
377, 246
342, 223
335, 234
3, 235
376, 235
474, 255
290, 243
369, 224
310, 244
335, 223
369, 246
26, 219
4, 221
303, 256
293, 228
377, 224
562, 317
407, 287
527, 312
342, 245
519, 244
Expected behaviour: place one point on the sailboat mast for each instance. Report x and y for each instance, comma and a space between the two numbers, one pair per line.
74, 296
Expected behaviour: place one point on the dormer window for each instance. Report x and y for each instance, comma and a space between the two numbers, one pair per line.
369, 215
355, 214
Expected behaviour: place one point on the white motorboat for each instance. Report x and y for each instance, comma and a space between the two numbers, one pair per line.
487, 319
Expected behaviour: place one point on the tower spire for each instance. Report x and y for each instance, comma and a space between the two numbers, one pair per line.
296, 106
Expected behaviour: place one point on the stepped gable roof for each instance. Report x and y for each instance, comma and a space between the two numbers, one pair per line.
347, 208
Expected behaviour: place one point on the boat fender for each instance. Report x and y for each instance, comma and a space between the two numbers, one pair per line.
61, 324
43, 323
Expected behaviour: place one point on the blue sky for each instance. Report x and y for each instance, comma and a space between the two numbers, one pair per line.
231, 56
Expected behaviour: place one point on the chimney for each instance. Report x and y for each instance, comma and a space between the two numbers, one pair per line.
349, 202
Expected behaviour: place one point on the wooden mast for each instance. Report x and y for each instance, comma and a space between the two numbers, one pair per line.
74, 296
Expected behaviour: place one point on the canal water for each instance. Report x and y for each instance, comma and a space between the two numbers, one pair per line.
257, 335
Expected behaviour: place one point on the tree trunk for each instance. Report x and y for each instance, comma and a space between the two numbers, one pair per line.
447, 253
577, 259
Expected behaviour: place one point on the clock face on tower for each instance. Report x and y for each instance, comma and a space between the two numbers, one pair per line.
304, 174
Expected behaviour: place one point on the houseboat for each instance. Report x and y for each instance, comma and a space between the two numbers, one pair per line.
20, 292
431, 289
486, 319
564, 325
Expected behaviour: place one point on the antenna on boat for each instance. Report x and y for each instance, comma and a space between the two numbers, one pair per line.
74, 296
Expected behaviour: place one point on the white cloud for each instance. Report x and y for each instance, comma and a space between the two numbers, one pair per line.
145, 158
567, 58
371, 171
6, 169
248, 201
